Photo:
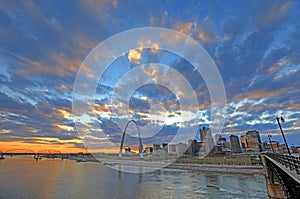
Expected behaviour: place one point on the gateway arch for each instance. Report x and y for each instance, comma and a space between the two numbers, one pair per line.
139, 138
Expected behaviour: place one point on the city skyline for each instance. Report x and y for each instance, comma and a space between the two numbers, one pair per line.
255, 46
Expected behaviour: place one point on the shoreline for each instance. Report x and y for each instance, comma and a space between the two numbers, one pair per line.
223, 168
236, 169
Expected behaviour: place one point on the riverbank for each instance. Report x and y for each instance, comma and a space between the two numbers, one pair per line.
224, 168
240, 169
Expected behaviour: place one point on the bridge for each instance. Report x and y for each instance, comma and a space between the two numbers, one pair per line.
282, 175
37, 155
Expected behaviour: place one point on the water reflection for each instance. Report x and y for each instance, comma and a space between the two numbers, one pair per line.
54, 178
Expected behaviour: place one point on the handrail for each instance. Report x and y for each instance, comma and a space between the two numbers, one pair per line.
289, 161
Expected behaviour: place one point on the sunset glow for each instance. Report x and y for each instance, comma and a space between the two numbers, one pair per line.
255, 47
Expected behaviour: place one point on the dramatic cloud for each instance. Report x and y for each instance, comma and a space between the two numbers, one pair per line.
255, 45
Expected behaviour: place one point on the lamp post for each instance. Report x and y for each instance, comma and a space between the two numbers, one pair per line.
282, 120
269, 136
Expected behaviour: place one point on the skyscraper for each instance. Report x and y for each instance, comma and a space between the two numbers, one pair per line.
251, 141
217, 136
203, 133
254, 140
235, 144
244, 142
208, 141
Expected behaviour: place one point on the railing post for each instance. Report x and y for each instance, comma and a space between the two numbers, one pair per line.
297, 165
292, 165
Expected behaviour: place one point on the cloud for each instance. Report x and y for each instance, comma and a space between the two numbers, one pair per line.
135, 56
254, 45
101, 8
185, 28
273, 12
204, 37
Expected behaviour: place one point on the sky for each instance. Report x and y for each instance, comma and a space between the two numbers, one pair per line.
255, 46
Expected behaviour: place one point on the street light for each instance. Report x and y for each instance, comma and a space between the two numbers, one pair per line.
282, 120
269, 136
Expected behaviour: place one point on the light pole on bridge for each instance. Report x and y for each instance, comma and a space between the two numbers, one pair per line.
269, 136
282, 120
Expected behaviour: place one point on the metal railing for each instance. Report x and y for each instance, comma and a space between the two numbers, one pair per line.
289, 161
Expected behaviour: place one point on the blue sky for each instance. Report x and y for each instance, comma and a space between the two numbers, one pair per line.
255, 45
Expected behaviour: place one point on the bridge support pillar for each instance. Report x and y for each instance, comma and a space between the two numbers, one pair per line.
273, 186
274, 190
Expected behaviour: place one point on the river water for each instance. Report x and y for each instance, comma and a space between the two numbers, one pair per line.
55, 178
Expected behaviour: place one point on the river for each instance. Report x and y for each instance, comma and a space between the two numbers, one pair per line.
55, 178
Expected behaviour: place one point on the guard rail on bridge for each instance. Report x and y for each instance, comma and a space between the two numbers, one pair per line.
289, 161
282, 175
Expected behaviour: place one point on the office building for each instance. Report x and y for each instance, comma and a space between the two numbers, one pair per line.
235, 144
160, 148
178, 149
251, 141
244, 142
254, 141
203, 133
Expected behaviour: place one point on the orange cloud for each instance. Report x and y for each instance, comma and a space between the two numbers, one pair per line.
135, 56
64, 87
276, 67
63, 148
64, 127
258, 94
63, 66
99, 7
277, 10
184, 28
204, 37
101, 109
155, 48
64, 113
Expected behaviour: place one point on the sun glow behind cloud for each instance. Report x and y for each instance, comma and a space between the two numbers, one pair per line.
135, 56
254, 46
